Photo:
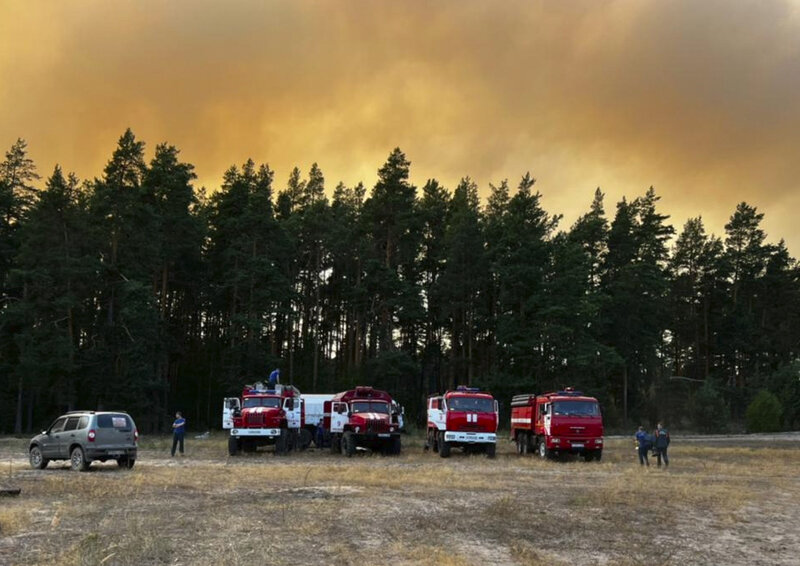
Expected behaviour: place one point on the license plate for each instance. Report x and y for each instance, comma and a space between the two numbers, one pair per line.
384, 435
577, 444
116, 453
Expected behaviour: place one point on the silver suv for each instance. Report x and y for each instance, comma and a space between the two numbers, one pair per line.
84, 436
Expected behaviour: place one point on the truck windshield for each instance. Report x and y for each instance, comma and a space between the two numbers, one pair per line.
473, 404
576, 408
273, 402
370, 407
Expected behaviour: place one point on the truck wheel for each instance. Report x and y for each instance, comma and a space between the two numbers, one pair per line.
77, 460
234, 446
335, 444
491, 450
348, 444
395, 447
282, 443
434, 440
292, 439
304, 438
444, 446
544, 453
598, 454
523, 443
37, 461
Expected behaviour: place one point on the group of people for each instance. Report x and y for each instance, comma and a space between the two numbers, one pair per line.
657, 442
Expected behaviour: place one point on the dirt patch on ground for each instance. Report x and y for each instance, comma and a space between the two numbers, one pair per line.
719, 503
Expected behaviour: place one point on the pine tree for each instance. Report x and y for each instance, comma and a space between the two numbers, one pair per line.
635, 280
464, 281
521, 265
176, 273
433, 209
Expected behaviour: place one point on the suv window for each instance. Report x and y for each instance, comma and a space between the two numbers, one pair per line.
114, 420
72, 423
84, 422
58, 426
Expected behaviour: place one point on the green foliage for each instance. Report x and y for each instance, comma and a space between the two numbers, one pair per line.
785, 382
764, 413
709, 412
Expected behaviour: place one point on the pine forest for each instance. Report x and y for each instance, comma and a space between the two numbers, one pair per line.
138, 291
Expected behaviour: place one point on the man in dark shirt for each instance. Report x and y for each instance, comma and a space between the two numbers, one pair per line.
661, 439
178, 431
643, 443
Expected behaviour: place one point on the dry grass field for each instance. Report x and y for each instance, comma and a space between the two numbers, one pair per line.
720, 502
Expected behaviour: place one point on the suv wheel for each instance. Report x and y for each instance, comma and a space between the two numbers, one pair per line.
126, 462
77, 460
38, 461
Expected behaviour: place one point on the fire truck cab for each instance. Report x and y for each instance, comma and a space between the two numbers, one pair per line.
363, 418
466, 418
560, 422
266, 415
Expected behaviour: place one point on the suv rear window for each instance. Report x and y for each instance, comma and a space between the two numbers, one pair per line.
117, 421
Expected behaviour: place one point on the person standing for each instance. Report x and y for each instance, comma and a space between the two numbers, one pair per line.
643, 442
661, 441
319, 439
178, 432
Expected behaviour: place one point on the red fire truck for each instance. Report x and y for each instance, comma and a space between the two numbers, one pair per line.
272, 414
560, 422
466, 418
363, 418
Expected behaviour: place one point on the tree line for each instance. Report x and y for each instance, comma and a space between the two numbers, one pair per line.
136, 290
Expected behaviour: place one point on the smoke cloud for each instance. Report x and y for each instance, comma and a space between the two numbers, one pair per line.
698, 99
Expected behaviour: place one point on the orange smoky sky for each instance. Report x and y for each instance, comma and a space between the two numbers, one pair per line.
699, 99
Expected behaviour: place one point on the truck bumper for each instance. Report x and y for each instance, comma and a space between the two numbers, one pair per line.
471, 437
575, 445
255, 432
375, 439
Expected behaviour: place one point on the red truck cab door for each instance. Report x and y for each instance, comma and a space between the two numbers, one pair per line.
339, 416
231, 406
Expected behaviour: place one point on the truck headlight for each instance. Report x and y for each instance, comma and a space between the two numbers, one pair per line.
391, 429
358, 429
598, 441
556, 441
